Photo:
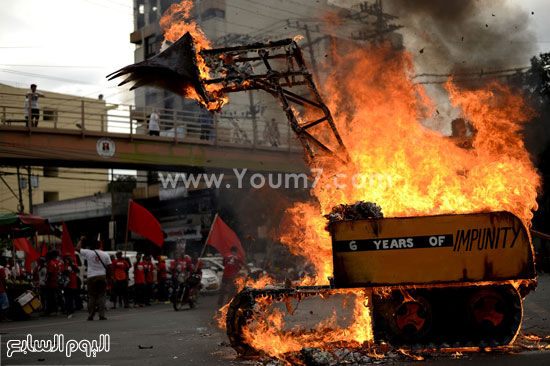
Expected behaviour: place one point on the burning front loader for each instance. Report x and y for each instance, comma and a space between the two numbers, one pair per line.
432, 281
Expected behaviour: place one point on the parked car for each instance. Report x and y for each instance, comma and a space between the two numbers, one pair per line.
212, 271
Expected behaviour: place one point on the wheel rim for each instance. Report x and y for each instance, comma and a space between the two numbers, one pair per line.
488, 309
410, 320
495, 313
410, 314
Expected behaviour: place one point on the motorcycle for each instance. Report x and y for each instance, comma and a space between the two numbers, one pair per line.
187, 291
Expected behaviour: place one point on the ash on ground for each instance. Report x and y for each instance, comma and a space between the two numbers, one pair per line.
385, 354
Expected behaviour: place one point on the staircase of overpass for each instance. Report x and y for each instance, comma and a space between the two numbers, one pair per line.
102, 135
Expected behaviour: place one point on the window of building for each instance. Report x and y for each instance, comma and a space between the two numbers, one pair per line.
51, 196
35, 181
50, 114
140, 16
153, 15
151, 47
51, 171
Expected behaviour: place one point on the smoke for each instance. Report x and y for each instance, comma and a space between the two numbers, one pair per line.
466, 35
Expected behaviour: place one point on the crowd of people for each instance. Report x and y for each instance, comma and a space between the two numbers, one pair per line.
58, 282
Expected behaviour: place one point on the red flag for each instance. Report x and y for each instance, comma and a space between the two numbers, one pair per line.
31, 255
223, 238
67, 247
100, 242
44, 249
144, 223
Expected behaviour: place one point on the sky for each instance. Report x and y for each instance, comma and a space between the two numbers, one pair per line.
66, 46
69, 46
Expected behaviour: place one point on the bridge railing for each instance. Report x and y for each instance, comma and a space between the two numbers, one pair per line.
84, 115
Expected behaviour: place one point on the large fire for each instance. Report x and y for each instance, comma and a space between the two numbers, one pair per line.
406, 168
395, 161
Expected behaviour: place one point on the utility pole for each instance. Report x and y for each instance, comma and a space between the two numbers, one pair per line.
381, 24
254, 122
112, 224
310, 43
21, 208
311, 54
30, 188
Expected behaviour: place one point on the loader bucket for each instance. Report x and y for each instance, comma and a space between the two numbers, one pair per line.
175, 69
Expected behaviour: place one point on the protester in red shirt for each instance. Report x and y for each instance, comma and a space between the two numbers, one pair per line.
4, 302
70, 290
193, 266
232, 263
139, 281
52, 283
161, 280
121, 268
149, 278
177, 266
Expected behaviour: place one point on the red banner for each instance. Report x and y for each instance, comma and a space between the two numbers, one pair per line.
67, 247
223, 238
31, 254
144, 223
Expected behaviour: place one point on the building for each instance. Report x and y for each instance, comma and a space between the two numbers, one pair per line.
38, 185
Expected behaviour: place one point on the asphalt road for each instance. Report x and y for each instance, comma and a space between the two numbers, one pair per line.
158, 335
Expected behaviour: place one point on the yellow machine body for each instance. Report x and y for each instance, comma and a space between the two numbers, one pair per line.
421, 250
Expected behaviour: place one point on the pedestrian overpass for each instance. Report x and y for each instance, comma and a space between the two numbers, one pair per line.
84, 133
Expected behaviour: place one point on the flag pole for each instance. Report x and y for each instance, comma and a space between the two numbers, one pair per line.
209, 233
127, 223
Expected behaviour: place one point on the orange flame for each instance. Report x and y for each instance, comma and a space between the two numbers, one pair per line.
266, 332
175, 22
406, 168
410, 170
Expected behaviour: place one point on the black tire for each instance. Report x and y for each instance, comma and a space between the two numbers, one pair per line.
177, 301
494, 314
410, 320
238, 315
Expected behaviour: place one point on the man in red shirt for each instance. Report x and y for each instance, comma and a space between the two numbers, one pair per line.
52, 283
149, 279
193, 265
120, 268
59, 293
232, 263
4, 302
70, 289
161, 280
139, 281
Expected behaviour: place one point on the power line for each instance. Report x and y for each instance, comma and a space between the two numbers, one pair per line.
109, 7
81, 179
58, 66
22, 47
40, 76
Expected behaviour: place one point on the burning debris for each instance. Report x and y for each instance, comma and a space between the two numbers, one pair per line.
436, 211
359, 210
382, 353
